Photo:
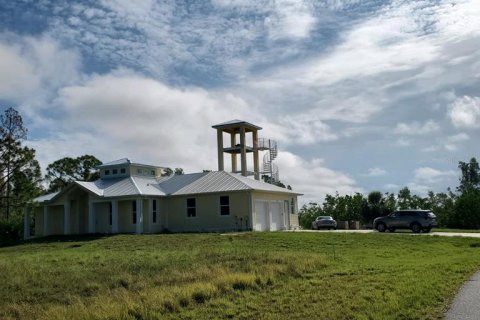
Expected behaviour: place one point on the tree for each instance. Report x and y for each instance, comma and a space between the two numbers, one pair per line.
374, 206
404, 198
467, 210
470, 175
66, 170
19, 171
179, 171
166, 172
308, 213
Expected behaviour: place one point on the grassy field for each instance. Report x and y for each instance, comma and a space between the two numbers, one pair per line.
235, 276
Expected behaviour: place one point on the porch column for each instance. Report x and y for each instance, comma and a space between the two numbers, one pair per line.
66, 217
45, 220
115, 216
91, 216
139, 204
26, 223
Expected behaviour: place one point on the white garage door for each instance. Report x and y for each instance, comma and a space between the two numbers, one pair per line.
261, 216
269, 215
276, 216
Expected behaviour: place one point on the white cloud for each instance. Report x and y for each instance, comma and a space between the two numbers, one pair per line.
34, 68
451, 143
313, 178
416, 128
290, 19
375, 172
402, 142
427, 175
134, 115
299, 129
465, 112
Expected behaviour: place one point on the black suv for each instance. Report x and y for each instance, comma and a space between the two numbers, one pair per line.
415, 220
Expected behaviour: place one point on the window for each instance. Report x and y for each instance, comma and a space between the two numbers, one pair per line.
224, 205
134, 212
122, 170
152, 172
110, 213
154, 211
107, 172
139, 171
114, 171
292, 206
191, 207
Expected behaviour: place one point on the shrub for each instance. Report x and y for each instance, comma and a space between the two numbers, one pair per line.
10, 231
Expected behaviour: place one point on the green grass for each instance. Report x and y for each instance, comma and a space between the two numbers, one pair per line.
239, 276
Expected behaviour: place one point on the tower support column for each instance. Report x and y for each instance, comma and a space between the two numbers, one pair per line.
220, 149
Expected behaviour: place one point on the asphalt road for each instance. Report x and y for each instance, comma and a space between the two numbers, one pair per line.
466, 305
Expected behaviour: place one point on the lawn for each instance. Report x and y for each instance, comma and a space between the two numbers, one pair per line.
239, 276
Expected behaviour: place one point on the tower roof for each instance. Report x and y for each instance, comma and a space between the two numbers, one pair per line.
236, 124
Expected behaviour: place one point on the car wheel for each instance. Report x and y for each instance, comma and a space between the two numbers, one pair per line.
381, 227
391, 229
335, 228
328, 228
416, 228
427, 230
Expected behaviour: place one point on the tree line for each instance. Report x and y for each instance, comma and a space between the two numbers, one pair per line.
454, 209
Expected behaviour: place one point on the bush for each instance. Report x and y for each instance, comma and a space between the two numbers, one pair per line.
467, 210
11, 232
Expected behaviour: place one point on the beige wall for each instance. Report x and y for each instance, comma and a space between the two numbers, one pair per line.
171, 213
208, 216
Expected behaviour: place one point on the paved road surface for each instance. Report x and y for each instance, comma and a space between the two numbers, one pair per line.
466, 305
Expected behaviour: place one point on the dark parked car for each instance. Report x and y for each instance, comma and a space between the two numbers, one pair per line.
324, 222
415, 220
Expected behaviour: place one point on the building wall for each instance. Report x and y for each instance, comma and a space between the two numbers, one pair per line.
125, 217
38, 214
292, 217
171, 214
208, 216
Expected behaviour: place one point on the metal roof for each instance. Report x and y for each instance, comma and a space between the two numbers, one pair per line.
46, 197
194, 183
235, 122
114, 163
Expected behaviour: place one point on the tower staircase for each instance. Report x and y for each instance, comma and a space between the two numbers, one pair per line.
270, 169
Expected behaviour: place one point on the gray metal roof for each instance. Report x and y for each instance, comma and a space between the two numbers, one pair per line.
46, 197
236, 122
114, 163
194, 183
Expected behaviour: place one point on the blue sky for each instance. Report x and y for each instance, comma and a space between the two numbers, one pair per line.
360, 95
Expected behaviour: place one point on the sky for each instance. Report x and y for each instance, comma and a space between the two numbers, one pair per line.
360, 95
